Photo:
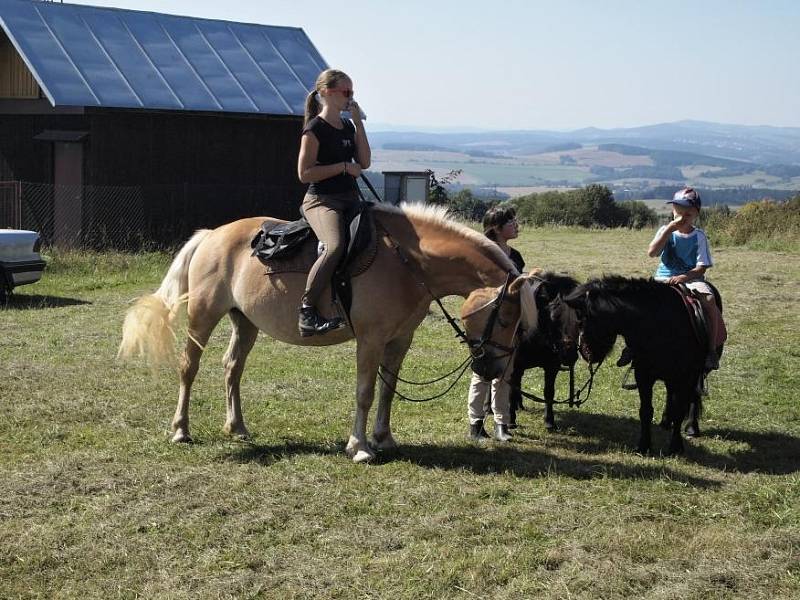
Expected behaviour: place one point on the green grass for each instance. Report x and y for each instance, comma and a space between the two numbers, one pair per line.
94, 501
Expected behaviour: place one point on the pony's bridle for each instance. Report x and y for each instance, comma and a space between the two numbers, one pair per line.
477, 347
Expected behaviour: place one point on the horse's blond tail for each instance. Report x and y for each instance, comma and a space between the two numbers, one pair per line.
148, 331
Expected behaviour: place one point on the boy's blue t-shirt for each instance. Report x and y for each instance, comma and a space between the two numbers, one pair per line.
682, 253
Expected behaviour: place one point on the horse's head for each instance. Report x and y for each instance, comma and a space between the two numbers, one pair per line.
557, 326
584, 323
491, 316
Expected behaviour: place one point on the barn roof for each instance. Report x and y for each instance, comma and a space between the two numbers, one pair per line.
109, 57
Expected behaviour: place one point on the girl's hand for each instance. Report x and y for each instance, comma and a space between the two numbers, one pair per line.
355, 110
353, 169
676, 279
677, 222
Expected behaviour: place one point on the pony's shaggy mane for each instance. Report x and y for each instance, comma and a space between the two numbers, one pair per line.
617, 284
615, 291
440, 216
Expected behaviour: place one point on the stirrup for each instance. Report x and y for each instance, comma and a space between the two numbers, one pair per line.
310, 322
625, 357
627, 385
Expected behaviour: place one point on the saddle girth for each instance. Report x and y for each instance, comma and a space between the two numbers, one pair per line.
697, 315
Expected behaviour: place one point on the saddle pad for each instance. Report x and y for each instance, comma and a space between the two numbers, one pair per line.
363, 253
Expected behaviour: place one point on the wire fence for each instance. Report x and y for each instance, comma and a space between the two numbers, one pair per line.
136, 217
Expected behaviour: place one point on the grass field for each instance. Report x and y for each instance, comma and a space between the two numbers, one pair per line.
95, 502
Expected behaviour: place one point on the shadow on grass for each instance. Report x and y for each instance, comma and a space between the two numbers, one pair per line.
267, 454
38, 302
771, 453
522, 461
753, 452
583, 433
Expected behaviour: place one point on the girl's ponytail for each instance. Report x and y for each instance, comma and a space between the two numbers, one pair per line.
312, 106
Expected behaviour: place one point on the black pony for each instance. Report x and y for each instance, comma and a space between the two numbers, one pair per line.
547, 348
654, 321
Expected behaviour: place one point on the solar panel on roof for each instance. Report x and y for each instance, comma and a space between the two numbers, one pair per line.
109, 57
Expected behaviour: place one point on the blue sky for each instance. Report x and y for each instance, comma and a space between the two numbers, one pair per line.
530, 64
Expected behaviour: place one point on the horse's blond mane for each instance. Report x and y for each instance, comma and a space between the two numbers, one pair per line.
439, 215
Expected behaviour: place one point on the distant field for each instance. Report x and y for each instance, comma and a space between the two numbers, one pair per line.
590, 155
478, 171
545, 170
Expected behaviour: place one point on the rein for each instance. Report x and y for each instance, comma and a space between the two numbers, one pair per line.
574, 400
476, 347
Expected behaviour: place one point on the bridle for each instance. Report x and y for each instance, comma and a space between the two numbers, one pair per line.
477, 347
575, 399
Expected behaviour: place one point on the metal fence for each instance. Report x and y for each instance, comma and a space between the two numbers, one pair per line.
130, 218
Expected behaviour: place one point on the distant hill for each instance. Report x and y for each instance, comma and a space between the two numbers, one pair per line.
756, 144
737, 162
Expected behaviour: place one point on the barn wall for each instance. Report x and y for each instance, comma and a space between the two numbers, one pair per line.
23, 158
158, 176
16, 81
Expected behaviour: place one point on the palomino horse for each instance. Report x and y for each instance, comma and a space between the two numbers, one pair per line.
421, 255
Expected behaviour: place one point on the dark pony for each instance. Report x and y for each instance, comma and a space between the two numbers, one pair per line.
652, 318
548, 348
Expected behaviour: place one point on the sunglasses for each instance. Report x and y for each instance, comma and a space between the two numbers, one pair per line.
345, 93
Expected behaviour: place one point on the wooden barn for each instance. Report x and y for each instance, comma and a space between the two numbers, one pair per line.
121, 127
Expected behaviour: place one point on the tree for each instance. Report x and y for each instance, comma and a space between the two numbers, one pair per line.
437, 193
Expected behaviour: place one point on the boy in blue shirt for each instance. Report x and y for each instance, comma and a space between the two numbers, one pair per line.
685, 257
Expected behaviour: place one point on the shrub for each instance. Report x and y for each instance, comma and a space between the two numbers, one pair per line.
592, 206
765, 224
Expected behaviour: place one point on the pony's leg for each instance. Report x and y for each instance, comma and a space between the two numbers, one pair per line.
549, 395
393, 356
515, 396
678, 399
645, 385
693, 420
201, 324
243, 337
368, 358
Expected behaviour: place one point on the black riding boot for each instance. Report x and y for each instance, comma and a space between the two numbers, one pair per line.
310, 322
477, 432
501, 433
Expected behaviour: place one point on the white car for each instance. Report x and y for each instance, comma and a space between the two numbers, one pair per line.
20, 261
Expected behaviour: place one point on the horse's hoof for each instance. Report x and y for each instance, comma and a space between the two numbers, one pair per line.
358, 450
384, 442
181, 437
362, 456
692, 431
237, 432
550, 426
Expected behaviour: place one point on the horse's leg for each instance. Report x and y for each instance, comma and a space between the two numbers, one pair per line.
678, 401
693, 420
549, 395
368, 358
515, 394
201, 324
243, 337
678, 407
393, 356
645, 385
